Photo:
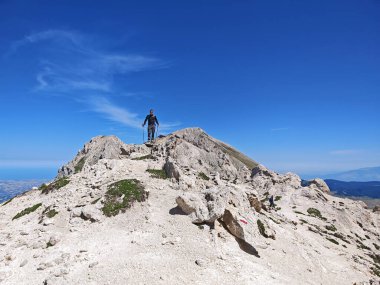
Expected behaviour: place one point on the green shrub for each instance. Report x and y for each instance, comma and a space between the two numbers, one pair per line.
157, 173
203, 176
303, 221
277, 198
341, 237
331, 228
375, 271
315, 213
300, 213
361, 245
61, 182
50, 214
27, 211
262, 228
80, 164
131, 190
148, 156
332, 240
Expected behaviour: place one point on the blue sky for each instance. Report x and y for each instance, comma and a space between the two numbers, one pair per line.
293, 84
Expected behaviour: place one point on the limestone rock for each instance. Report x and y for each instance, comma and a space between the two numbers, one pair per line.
320, 184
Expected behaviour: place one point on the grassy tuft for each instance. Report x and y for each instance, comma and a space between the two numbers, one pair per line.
27, 211
121, 195
203, 176
331, 228
157, 173
61, 182
148, 156
262, 228
361, 245
50, 214
315, 213
376, 271
80, 164
300, 213
332, 240
277, 198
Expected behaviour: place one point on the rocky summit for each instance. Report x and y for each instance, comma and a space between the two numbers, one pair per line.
188, 210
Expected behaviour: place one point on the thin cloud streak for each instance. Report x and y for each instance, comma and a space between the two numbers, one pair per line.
74, 65
122, 116
345, 152
81, 67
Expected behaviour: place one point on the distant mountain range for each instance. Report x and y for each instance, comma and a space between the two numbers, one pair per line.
357, 175
358, 189
11, 188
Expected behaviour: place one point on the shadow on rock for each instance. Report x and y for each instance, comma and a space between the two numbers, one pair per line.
244, 246
177, 211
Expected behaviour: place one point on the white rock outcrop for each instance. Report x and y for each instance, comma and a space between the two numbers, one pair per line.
111, 217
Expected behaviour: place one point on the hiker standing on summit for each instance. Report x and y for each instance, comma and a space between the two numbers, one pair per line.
152, 121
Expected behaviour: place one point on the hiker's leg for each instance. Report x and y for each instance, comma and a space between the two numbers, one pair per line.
153, 131
149, 133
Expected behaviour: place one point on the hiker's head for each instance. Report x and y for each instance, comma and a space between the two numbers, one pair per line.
151, 111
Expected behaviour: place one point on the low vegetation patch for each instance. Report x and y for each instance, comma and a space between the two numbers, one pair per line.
80, 164
148, 156
376, 258
262, 228
341, 237
61, 182
300, 213
331, 228
376, 246
7, 202
277, 222
51, 213
27, 211
362, 245
157, 173
203, 176
376, 271
332, 240
121, 195
315, 213
277, 198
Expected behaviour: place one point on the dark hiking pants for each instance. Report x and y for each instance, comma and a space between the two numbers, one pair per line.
151, 131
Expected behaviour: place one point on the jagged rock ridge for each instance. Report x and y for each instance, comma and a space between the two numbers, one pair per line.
209, 222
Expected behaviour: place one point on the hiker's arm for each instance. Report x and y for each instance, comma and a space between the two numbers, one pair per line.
146, 119
157, 121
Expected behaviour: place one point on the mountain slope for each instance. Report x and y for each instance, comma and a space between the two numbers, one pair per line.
186, 211
358, 175
367, 189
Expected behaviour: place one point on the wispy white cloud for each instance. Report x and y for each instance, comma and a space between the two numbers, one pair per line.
120, 115
345, 152
71, 66
71, 63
